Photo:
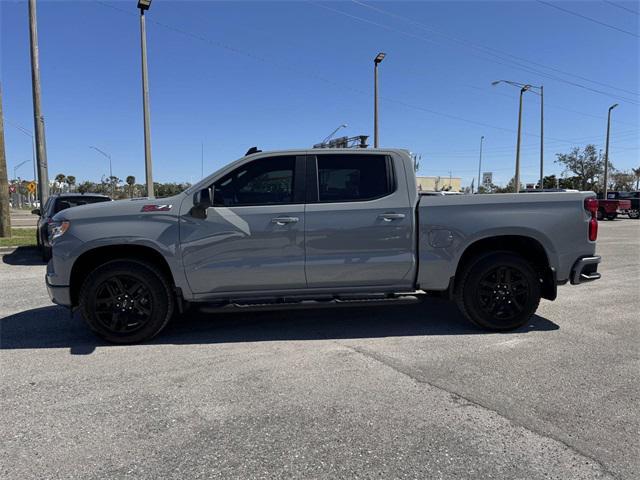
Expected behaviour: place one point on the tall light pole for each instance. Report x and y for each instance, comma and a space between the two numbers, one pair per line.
5, 214
523, 88
606, 153
38, 119
480, 161
376, 62
330, 136
144, 5
15, 169
541, 136
105, 154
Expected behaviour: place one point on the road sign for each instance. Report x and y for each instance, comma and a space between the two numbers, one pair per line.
31, 186
487, 179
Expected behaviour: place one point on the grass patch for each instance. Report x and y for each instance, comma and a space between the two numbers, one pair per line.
19, 237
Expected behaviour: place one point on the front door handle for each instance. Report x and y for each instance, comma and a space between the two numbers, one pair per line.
388, 217
284, 220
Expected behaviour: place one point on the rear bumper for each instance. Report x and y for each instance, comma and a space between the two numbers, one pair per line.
585, 270
60, 294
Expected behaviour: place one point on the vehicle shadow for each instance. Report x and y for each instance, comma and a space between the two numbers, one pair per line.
24, 256
54, 327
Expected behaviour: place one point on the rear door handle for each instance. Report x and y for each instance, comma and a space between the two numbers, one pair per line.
284, 220
388, 217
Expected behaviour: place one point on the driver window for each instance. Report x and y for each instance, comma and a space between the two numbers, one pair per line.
267, 181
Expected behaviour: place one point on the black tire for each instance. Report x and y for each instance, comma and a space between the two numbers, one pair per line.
612, 216
600, 214
498, 291
46, 253
634, 214
126, 301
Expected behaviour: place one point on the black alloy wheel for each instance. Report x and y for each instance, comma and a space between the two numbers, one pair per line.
127, 301
498, 291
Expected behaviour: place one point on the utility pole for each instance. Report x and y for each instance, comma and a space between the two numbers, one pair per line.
516, 186
144, 5
106, 155
480, 162
376, 62
5, 214
541, 137
38, 119
606, 153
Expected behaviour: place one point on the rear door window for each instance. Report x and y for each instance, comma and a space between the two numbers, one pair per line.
354, 177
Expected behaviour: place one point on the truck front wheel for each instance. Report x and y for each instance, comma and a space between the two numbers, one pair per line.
126, 301
499, 291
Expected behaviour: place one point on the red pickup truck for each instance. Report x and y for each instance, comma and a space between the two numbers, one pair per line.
609, 208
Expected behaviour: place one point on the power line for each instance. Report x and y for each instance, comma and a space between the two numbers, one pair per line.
491, 50
571, 12
613, 4
511, 63
303, 72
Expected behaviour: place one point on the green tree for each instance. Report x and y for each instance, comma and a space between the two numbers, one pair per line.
71, 181
586, 165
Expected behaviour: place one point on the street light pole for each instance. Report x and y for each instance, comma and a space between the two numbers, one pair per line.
41, 149
480, 162
541, 137
517, 175
376, 62
606, 152
113, 193
144, 5
523, 88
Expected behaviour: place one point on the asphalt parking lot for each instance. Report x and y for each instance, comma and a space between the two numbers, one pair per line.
386, 392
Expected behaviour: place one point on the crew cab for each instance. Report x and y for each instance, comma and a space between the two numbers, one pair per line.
299, 228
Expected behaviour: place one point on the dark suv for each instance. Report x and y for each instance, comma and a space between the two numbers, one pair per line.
55, 204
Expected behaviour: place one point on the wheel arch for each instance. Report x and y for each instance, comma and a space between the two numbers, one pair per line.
527, 247
97, 256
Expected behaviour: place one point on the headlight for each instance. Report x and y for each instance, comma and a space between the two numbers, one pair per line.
57, 229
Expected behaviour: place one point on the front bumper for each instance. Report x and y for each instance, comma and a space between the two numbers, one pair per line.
60, 294
585, 270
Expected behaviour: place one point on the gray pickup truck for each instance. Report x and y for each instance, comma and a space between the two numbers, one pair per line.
301, 228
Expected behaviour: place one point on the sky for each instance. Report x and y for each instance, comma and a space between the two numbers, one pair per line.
226, 76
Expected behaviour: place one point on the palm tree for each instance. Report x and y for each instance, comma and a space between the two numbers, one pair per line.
60, 180
131, 181
71, 181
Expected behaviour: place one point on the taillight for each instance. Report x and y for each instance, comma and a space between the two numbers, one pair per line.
591, 206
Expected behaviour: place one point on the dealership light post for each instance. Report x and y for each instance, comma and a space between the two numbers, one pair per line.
105, 154
33, 148
376, 62
523, 88
144, 5
480, 162
606, 152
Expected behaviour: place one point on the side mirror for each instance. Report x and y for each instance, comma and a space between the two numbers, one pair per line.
201, 201
36, 211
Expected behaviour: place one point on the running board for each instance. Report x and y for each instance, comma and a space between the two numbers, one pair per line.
287, 304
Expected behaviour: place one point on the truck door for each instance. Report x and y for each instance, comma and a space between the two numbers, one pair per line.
358, 220
253, 236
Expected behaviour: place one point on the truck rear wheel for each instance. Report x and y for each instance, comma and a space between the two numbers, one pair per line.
126, 301
634, 214
499, 291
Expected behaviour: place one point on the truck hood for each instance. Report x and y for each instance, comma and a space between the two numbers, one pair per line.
119, 208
